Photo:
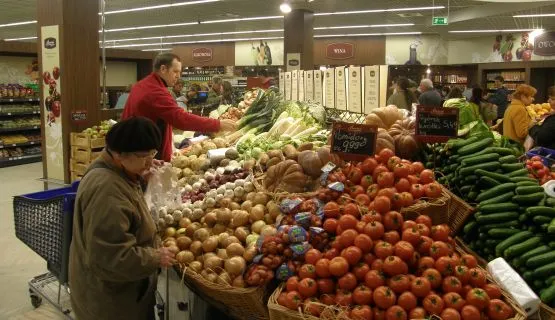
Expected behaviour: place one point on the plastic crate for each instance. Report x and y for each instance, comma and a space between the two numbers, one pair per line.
43, 221
547, 155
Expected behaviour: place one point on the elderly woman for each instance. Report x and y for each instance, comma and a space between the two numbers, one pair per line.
516, 121
114, 253
544, 132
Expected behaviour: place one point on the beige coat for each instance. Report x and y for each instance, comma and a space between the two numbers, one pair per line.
113, 262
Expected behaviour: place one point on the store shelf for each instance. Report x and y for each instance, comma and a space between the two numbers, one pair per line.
2, 130
18, 100
14, 161
17, 114
23, 144
509, 81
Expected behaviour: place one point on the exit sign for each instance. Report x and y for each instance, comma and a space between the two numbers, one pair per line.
439, 21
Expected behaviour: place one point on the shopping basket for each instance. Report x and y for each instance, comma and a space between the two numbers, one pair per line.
43, 221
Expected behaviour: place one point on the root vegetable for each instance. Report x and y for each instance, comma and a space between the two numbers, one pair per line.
173, 249
201, 234
196, 248
257, 213
247, 205
268, 230
240, 218
184, 243
238, 282
218, 229
249, 187
260, 198
222, 253
273, 209
210, 244
170, 232
229, 240
185, 257
213, 263
210, 219
196, 266
241, 233
224, 216
234, 206
235, 249
224, 279
257, 226
250, 253
235, 266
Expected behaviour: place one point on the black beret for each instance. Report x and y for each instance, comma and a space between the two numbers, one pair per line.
134, 135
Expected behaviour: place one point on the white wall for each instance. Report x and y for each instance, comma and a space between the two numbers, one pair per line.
119, 73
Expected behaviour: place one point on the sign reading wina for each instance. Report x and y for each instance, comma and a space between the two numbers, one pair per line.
340, 51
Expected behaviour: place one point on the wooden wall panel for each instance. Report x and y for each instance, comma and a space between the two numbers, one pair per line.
223, 54
368, 51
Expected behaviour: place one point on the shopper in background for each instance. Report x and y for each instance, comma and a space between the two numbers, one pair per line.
123, 97
429, 97
176, 90
454, 93
516, 121
486, 110
115, 254
188, 99
402, 97
467, 93
500, 97
215, 93
543, 133
227, 95
150, 98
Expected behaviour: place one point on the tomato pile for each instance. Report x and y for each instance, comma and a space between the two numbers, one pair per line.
538, 170
372, 263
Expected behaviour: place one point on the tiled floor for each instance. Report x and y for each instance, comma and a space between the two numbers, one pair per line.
18, 264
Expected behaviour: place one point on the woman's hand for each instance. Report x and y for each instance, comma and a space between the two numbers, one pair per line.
167, 258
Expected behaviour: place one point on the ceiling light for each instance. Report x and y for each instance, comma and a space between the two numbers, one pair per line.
196, 35
378, 11
17, 23
19, 39
177, 4
489, 31
534, 15
366, 34
163, 49
366, 26
285, 7
241, 19
189, 42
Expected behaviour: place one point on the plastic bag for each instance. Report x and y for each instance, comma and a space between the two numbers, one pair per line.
162, 189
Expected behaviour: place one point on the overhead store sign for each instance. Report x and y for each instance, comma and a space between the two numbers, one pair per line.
340, 51
202, 54
544, 44
439, 21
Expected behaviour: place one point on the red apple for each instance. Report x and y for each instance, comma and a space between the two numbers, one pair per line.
56, 72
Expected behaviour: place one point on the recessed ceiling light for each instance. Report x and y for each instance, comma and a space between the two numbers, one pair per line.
490, 31
17, 23
285, 7
366, 34
378, 10
366, 26
534, 15
20, 39
196, 35
190, 42
161, 6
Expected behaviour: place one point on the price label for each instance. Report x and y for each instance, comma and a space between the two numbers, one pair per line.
79, 115
353, 142
436, 124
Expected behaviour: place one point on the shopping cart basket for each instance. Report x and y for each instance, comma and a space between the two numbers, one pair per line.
43, 221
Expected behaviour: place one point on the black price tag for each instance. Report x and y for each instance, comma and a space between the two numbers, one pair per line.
353, 142
79, 115
436, 124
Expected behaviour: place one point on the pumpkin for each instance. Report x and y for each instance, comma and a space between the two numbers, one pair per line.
384, 117
384, 140
403, 134
286, 176
313, 161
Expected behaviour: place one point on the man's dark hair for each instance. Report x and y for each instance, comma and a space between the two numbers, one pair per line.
500, 78
165, 59
134, 135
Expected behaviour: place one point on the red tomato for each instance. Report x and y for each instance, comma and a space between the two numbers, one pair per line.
401, 171
417, 191
372, 191
450, 314
392, 162
282, 299
312, 256
399, 283
445, 265
469, 261
374, 230
386, 180
413, 179
477, 277
361, 313
344, 298
362, 295
383, 249
384, 297
330, 225
396, 313
360, 227
404, 250
413, 261
462, 272
434, 277
393, 220
423, 229
402, 185
360, 270
424, 245
454, 300
492, 290
425, 263
452, 284
292, 283
440, 232
499, 310
379, 169
331, 210
392, 237
384, 155
412, 236
377, 265
368, 258
366, 181
293, 300
427, 176
352, 254
348, 221
368, 165
348, 281
397, 202
407, 199
374, 279
433, 304
465, 290
417, 313
439, 249
417, 167
407, 224
338, 266
322, 268
307, 271
364, 242
312, 306
328, 299
348, 237
393, 265
355, 175
325, 285
432, 190
478, 298
407, 300
421, 287
372, 215
379, 314
336, 244
331, 253
351, 209
387, 192
308, 287
355, 190
470, 312
363, 200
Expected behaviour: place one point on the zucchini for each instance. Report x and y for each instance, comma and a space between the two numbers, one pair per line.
520, 248
522, 179
496, 217
474, 147
496, 191
508, 224
519, 173
497, 207
512, 240
541, 260
502, 233
499, 199
548, 295
544, 271
496, 176
528, 189
539, 220
529, 199
537, 251
508, 159
469, 227
480, 159
489, 166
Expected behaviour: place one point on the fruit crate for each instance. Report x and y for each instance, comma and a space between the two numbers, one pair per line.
79, 154
78, 168
75, 176
85, 141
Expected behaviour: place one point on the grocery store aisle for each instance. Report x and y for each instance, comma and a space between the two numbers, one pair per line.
18, 264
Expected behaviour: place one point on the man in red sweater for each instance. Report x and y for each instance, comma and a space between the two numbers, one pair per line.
150, 98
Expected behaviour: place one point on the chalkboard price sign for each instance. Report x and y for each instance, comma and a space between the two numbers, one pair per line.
353, 142
79, 115
435, 124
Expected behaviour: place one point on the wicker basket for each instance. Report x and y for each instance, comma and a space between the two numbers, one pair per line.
459, 212
545, 313
238, 303
437, 209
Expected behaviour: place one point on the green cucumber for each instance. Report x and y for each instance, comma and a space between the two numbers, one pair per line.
500, 150
548, 295
522, 218
469, 227
508, 224
499, 199
472, 195
508, 159
519, 173
510, 167
496, 176
496, 217
541, 260
538, 284
545, 271
550, 201
480, 159
522, 179
537, 251
490, 243
528, 276
474, 147
487, 182
465, 189
502, 233
520, 248
497, 207
529, 199
551, 244
457, 144
539, 220
550, 280
528, 189
471, 179
551, 227
496, 191
489, 166
512, 240
526, 184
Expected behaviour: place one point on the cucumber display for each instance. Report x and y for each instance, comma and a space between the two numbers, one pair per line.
496, 191
512, 240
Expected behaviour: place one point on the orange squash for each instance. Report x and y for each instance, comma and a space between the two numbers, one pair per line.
402, 133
